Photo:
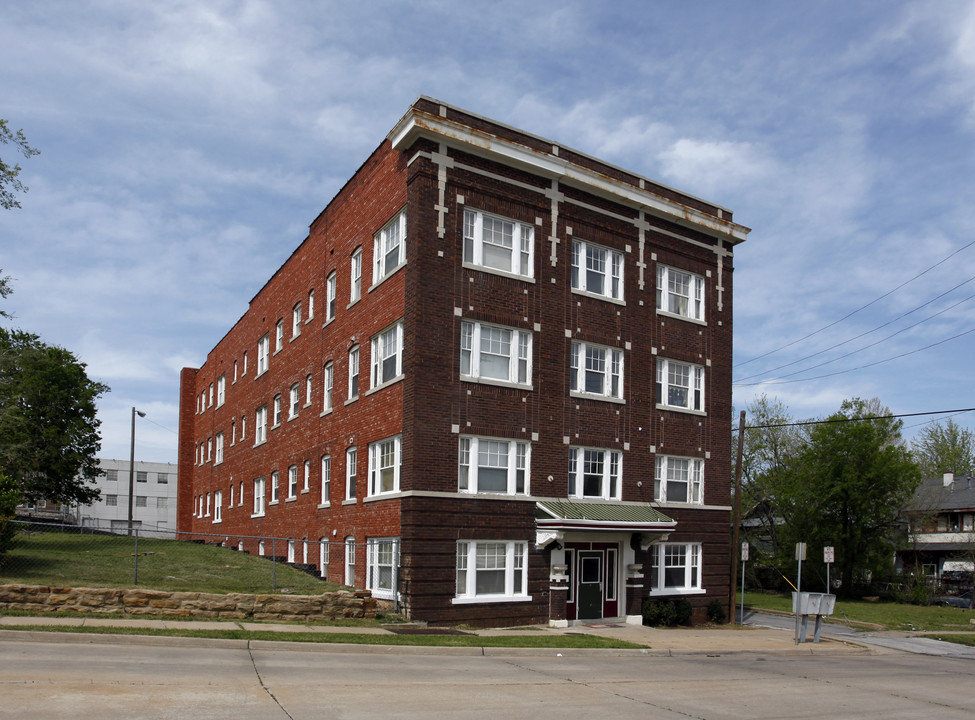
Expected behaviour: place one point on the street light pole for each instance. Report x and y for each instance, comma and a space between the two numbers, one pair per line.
132, 465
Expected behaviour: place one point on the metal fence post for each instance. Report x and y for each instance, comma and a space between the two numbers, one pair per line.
274, 567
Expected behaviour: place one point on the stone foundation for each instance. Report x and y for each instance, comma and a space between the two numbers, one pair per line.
238, 606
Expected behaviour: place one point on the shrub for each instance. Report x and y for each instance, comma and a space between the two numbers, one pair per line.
667, 613
716, 613
9, 498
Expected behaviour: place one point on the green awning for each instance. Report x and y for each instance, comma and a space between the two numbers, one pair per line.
571, 515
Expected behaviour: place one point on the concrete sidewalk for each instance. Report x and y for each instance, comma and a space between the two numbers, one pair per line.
660, 641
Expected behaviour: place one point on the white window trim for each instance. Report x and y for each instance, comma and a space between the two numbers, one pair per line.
579, 286
695, 479
473, 253
577, 354
328, 388
292, 482
697, 295
218, 454
217, 506
351, 472
470, 445
577, 456
259, 490
263, 355
294, 401
375, 449
380, 273
356, 355
378, 360
469, 594
372, 566
275, 487
355, 277
279, 336
331, 293
326, 481
221, 390
693, 555
296, 320
260, 426
696, 378
514, 359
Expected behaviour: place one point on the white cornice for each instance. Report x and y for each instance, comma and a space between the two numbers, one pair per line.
419, 124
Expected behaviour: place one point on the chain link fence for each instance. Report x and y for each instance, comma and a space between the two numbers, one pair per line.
114, 555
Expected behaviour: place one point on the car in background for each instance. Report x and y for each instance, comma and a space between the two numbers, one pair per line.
962, 600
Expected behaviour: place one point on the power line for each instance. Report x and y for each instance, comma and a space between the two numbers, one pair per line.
864, 307
864, 334
857, 419
861, 367
865, 347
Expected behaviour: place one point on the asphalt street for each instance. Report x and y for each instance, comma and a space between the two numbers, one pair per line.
52, 675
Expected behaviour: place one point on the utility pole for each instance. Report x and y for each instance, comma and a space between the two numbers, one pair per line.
736, 518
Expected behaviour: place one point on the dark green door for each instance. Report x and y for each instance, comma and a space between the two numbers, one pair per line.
590, 591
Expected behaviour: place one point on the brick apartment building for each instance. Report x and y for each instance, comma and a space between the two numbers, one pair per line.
493, 383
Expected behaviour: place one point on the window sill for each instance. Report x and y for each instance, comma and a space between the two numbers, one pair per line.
277, 351
293, 417
676, 591
257, 515
387, 276
490, 599
687, 411
502, 273
291, 499
323, 413
328, 321
322, 506
383, 385
294, 337
353, 303
592, 396
675, 316
259, 443
597, 296
351, 400
496, 383
273, 502
310, 318
350, 501
261, 373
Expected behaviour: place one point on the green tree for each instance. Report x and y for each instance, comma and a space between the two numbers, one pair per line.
846, 488
5, 290
48, 428
9, 499
940, 449
9, 181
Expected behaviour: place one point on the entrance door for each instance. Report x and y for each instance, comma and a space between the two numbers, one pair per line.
590, 598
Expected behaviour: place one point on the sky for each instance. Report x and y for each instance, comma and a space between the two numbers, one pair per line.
187, 146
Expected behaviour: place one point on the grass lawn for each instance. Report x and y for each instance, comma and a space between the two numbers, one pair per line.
886, 615
84, 560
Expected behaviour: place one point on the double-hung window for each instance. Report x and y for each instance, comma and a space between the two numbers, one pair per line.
675, 568
329, 378
354, 373
275, 486
355, 276
678, 479
594, 473
389, 248
351, 462
294, 399
277, 410
296, 321
311, 304
217, 506
279, 335
260, 425
384, 466
258, 496
292, 482
326, 478
491, 353
680, 293
330, 297
380, 566
219, 449
596, 370
221, 390
387, 355
680, 385
489, 465
498, 243
263, 350
307, 483
597, 270
490, 570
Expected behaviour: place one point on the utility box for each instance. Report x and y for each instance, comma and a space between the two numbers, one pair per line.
813, 603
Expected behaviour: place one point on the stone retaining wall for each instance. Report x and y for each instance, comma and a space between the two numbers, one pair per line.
238, 606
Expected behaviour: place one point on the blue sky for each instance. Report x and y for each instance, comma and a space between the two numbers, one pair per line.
188, 145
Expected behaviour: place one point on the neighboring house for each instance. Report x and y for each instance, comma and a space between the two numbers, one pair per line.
941, 539
154, 498
496, 375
